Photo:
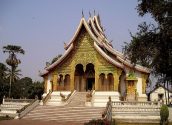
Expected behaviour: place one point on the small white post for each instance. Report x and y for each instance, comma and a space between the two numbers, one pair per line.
3, 100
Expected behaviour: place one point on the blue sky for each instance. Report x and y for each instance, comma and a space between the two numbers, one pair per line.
42, 26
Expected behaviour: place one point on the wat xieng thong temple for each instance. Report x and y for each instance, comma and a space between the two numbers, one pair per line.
91, 63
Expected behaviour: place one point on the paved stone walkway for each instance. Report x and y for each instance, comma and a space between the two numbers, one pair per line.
34, 122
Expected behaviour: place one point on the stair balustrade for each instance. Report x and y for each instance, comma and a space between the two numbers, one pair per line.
48, 96
22, 112
65, 99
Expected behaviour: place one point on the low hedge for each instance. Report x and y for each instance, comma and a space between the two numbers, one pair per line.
164, 114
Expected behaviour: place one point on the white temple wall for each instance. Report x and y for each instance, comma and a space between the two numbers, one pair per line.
139, 83
141, 96
49, 84
139, 86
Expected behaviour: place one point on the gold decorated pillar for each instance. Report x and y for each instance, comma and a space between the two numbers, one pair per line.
96, 75
117, 74
96, 80
45, 83
55, 84
72, 75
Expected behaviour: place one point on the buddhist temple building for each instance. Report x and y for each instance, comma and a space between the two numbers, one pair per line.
91, 63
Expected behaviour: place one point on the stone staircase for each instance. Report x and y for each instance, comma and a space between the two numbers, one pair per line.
75, 111
11, 107
79, 99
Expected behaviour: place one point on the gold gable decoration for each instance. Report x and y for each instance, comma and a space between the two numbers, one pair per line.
131, 77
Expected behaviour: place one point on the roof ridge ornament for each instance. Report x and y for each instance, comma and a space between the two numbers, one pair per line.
94, 12
89, 13
82, 13
65, 45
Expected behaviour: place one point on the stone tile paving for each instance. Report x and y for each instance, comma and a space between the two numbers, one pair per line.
35, 122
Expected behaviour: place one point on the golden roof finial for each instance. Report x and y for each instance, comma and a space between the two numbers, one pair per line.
89, 14
82, 13
94, 12
65, 45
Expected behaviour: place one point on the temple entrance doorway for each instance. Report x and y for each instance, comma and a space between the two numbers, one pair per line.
90, 76
79, 80
131, 91
90, 83
84, 81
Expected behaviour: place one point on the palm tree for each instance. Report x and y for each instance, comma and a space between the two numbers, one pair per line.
12, 59
3, 71
16, 74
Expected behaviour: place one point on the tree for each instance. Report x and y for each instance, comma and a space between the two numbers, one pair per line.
20, 88
16, 74
12, 60
36, 89
3, 81
151, 46
3, 71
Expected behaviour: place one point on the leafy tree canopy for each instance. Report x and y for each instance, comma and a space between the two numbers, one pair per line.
152, 45
13, 49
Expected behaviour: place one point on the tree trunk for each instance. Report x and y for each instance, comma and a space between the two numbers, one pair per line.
10, 82
165, 94
168, 91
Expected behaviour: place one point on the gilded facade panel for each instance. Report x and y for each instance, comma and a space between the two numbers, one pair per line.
85, 53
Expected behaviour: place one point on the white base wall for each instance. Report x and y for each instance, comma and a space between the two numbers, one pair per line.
142, 98
100, 98
56, 99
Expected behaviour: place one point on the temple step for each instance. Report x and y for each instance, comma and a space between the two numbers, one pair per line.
78, 99
79, 114
74, 111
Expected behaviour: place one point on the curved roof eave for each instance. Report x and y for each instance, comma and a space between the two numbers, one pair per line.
82, 22
108, 47
76, 33
43, 73
108, 58
90, 33
60, 59
95, 30
97, 24
113, 51
137, 67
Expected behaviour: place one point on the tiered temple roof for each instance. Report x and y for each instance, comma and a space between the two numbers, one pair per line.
101, 44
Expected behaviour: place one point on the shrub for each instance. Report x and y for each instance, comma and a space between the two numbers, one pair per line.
164, 114
98, 122
7, 117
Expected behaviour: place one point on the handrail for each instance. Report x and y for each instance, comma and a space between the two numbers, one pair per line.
67, 101
68, 96
44, 100
24, 107
107, 114
28, 108
139, 103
